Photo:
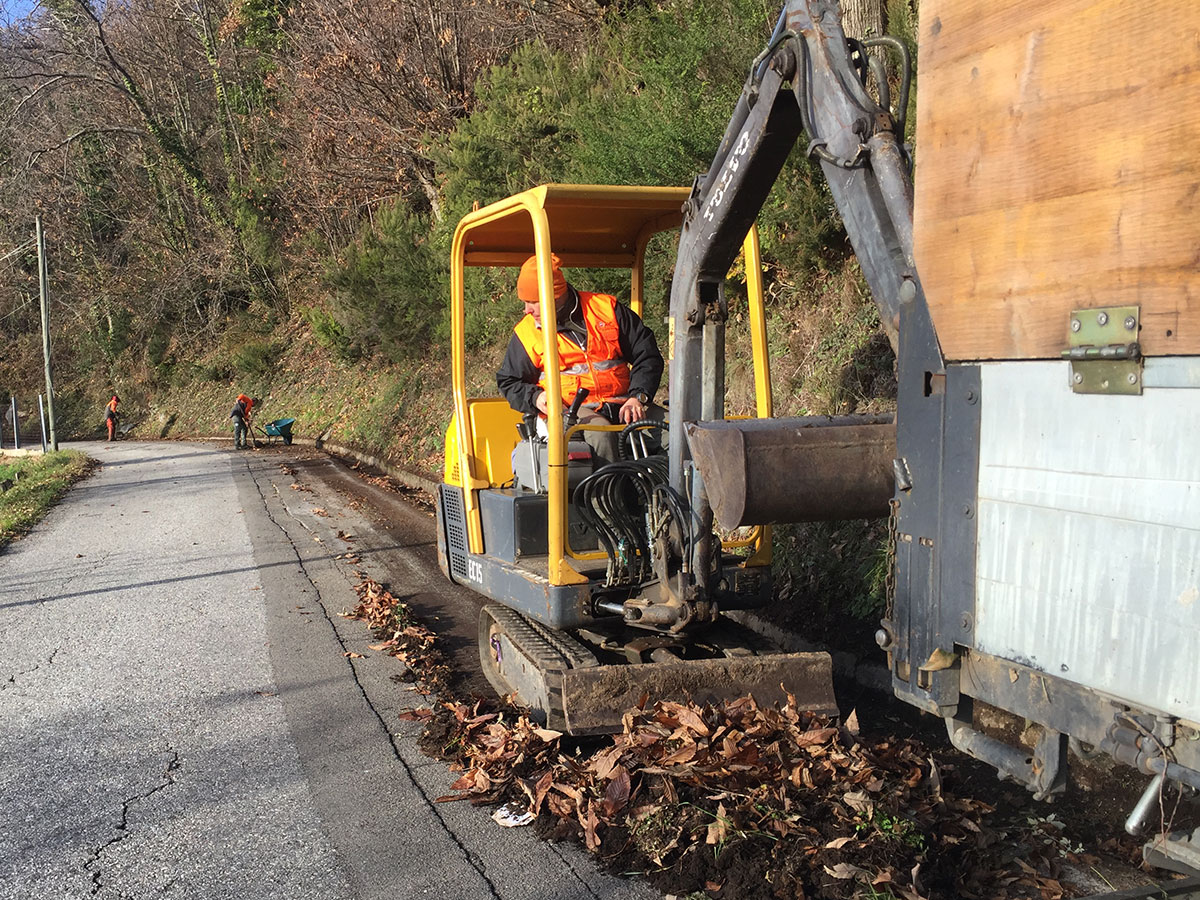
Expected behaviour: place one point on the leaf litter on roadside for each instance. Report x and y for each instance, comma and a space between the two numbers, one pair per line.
729, 800
761, 802
400, 635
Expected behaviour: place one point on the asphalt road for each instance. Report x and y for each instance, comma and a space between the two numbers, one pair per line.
178, 717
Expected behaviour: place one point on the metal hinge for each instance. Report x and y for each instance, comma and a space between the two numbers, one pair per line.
1102, 345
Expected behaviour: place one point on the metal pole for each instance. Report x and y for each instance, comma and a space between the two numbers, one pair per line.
42, 419
16, 424
44, 286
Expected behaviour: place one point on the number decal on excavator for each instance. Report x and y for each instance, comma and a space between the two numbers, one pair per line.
730, 169
475, 571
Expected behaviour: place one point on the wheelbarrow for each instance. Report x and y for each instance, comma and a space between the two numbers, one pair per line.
280, 428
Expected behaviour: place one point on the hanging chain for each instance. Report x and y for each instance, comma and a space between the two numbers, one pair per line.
890, 580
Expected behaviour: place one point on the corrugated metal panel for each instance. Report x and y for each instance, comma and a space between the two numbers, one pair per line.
1089, 534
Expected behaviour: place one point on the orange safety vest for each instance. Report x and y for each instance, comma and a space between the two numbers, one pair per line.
112, 406
600, 368
246, 402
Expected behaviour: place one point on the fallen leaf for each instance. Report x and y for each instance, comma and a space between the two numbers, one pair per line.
350, 654
845, 871
816, 736
415, 715
719, 829
605, 761
860, 803
938, 660
616, 795
935, 780
851, 724
590, 823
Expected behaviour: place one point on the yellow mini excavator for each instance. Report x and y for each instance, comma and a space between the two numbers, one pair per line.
609, 581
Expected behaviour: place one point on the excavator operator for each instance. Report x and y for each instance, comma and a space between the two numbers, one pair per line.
602, 346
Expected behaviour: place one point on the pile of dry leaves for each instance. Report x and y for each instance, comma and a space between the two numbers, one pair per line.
743, 801
733, 800
401, 636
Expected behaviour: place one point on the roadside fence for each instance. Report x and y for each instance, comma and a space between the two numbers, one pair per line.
23, 424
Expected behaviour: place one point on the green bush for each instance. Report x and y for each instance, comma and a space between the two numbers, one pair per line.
389, 287
256, 359
374, 427
656, 116
330, 334
112, 328
832, 581
519, 133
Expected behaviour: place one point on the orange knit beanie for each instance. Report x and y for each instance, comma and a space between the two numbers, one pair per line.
527, 281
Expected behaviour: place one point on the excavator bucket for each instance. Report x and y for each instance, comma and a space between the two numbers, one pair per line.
808, 469
596, 699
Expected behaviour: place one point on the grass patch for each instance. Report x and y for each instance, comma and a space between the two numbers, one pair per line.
36, 484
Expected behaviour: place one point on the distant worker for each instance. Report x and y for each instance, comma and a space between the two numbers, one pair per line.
241, 420
110, 417
602, 346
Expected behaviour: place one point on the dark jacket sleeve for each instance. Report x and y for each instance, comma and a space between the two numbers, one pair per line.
639, 348
518, 377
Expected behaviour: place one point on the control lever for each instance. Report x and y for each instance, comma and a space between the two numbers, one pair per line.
528, 431
573, 412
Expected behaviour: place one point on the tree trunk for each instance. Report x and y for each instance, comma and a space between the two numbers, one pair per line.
863, 18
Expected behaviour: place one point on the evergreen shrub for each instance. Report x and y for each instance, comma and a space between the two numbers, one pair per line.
389, 287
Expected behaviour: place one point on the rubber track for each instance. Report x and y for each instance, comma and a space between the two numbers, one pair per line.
576, 654
521, 631
548, 661
551, 652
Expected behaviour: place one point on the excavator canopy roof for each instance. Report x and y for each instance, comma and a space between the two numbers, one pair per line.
599, 226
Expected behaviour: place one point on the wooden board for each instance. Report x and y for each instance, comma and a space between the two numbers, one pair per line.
1058, 168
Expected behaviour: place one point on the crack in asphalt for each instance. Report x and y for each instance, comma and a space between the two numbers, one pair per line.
474, 862
123, 825
39, 583
12, 679
570, 864
365, 542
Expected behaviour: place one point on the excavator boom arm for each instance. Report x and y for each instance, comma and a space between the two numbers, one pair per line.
807, 82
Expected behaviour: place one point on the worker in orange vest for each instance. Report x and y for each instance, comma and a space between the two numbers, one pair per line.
602, 346
110, 416
241, 420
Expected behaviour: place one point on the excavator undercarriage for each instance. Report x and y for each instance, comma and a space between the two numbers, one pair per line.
584, 682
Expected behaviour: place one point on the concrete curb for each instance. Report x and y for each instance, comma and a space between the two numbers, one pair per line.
406, 478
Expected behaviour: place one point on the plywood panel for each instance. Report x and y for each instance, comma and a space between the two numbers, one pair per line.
1058, 167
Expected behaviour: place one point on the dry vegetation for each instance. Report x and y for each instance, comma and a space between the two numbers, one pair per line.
737, 800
